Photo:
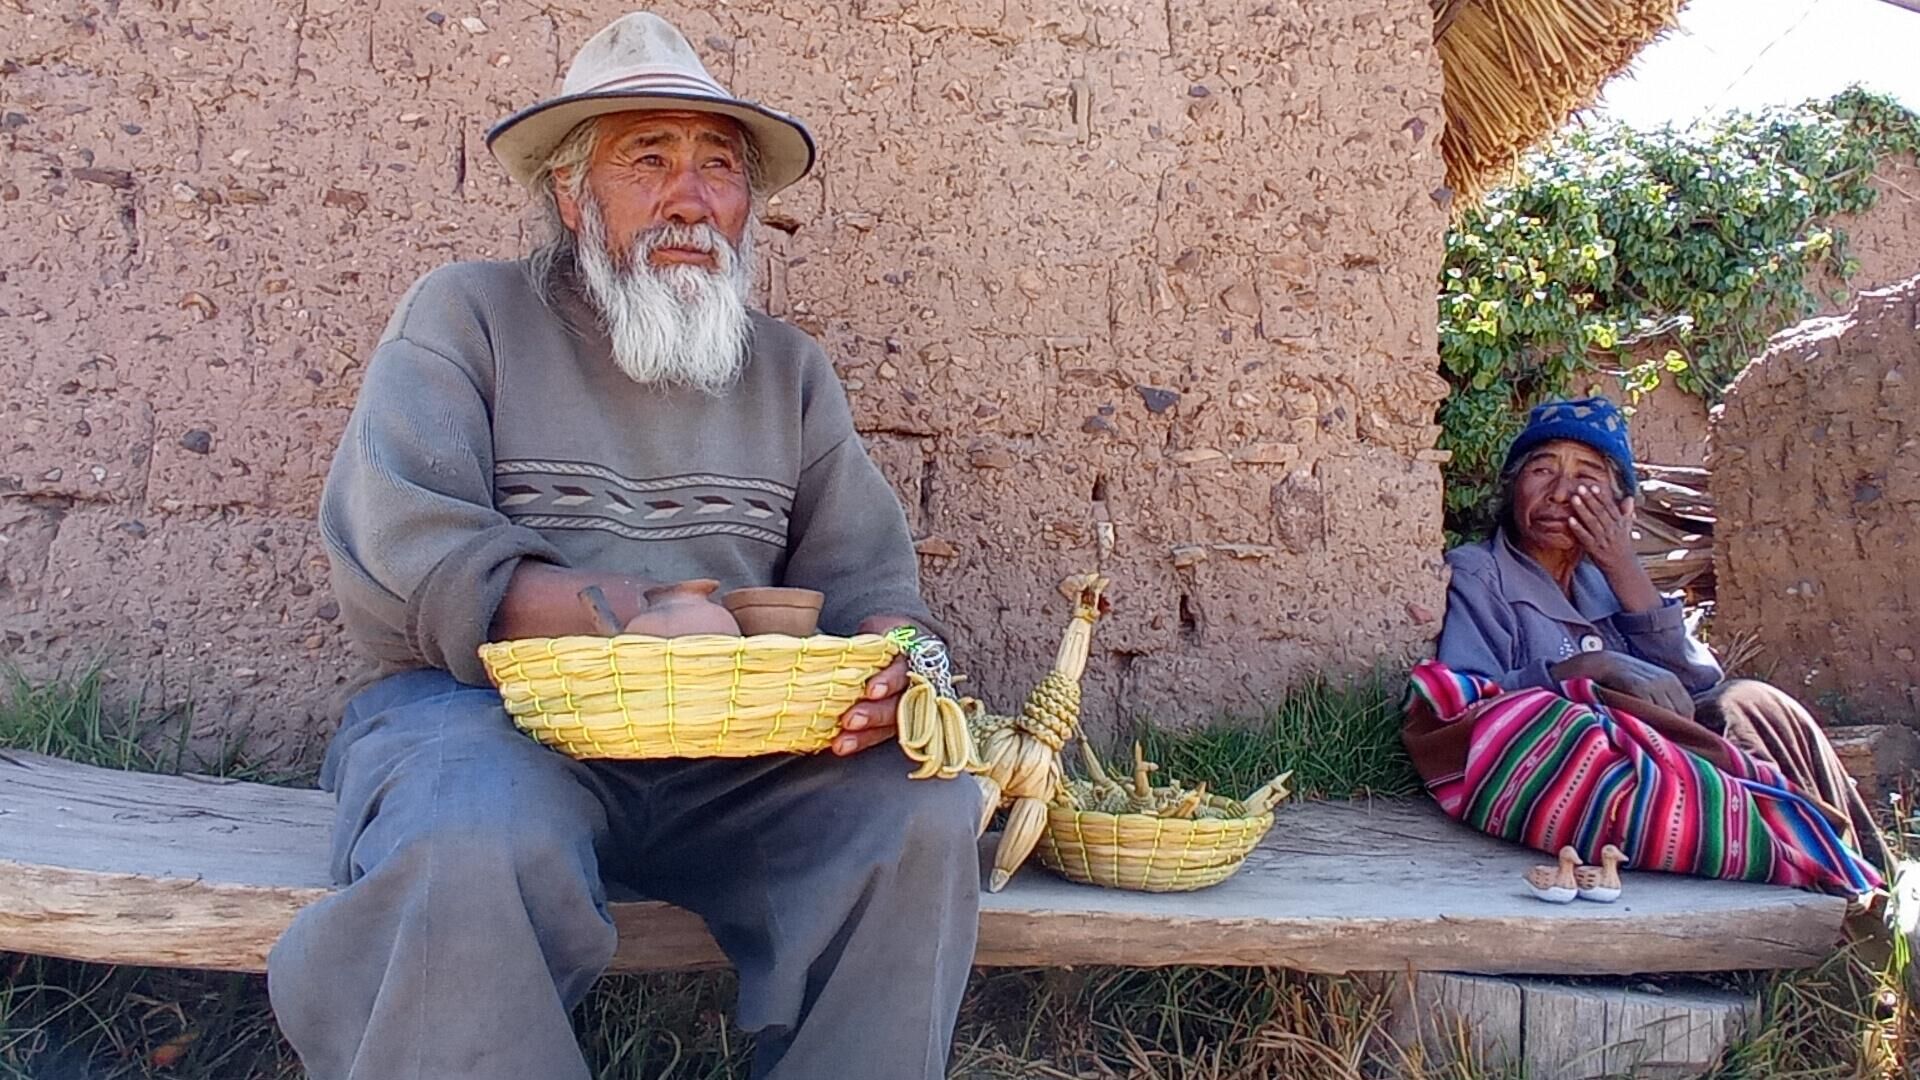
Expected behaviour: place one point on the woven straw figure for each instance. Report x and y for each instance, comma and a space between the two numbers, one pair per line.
1020, 755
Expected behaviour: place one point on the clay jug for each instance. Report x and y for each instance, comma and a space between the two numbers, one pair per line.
682, 609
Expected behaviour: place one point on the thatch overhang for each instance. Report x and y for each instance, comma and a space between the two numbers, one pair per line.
1517, 69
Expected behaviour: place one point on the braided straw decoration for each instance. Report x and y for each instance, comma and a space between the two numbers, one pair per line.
1052, 710
1149, 853
633, 696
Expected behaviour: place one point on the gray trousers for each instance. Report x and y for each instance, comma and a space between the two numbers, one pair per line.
474, 914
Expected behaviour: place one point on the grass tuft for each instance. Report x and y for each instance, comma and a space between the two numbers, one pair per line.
71, 715
1341, 739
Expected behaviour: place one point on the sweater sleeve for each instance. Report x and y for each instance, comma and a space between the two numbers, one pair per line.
420, 556
1660, 636
1476, 637
848, 536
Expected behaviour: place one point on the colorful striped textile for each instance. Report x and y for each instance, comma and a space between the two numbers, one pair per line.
1551, 770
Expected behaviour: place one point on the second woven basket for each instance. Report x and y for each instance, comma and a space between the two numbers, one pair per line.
1170, 838
1148, 853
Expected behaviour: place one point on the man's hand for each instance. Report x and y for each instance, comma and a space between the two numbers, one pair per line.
1629, 675
1604, 528
874, 719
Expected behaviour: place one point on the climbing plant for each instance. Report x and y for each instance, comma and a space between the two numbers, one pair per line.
1691, 247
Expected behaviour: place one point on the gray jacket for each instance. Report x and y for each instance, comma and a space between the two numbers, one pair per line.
1508, 621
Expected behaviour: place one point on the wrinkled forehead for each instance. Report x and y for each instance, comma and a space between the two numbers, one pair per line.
661, 127
1570, 454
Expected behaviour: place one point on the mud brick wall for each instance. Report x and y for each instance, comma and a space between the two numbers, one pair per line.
1142, 286
1816, 476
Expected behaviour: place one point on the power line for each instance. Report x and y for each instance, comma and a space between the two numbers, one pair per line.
1761, 55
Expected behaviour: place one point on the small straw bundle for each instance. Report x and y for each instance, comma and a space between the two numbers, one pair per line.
632, 696
1517, 69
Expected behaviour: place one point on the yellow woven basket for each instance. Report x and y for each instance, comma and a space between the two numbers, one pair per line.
1148, 853
633, 696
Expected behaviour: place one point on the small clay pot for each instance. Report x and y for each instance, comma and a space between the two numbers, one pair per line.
682, 609
795, 612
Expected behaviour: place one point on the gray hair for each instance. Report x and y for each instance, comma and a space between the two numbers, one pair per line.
567, 166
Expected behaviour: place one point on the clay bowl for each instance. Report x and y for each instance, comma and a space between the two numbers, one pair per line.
795, 612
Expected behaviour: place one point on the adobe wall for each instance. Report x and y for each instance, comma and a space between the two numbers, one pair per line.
1816, 478
1141, 286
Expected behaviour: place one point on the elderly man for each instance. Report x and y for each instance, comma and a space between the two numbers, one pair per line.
610, 412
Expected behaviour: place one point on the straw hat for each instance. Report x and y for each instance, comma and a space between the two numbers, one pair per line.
642, 62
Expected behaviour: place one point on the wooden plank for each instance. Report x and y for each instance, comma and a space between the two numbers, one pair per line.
170, 871
1558, 1030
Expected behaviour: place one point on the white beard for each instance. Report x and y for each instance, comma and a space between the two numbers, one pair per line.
678, 325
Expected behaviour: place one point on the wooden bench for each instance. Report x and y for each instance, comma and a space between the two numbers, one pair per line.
190, 872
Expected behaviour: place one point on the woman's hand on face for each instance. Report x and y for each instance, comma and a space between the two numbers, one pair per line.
1604, 528
1629, 675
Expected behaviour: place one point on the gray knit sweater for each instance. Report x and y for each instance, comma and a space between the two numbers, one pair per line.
492, 427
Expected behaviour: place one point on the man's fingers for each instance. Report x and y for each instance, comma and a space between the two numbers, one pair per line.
1598, 511
1584, 521
891, 680
852, 742
1664, 692
1677, 698
862, 715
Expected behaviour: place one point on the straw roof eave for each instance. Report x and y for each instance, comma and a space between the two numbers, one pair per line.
1518, 69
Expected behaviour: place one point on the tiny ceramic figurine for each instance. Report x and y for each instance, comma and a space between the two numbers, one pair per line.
1601, 884
1556, 884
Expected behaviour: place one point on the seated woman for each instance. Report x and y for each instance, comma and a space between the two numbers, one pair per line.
1569, 704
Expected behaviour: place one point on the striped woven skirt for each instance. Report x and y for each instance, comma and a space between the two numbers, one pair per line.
1576, 768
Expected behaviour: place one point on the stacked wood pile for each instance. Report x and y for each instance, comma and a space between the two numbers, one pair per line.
1673, 532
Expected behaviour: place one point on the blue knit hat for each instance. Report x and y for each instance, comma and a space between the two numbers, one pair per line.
1594, 421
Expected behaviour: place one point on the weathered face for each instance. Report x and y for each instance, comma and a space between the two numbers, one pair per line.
1544, 488
653, 169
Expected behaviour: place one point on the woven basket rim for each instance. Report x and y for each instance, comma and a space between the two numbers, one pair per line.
1074, 813
726, 643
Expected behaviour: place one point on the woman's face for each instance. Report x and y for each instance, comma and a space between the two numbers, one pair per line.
1544, 488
